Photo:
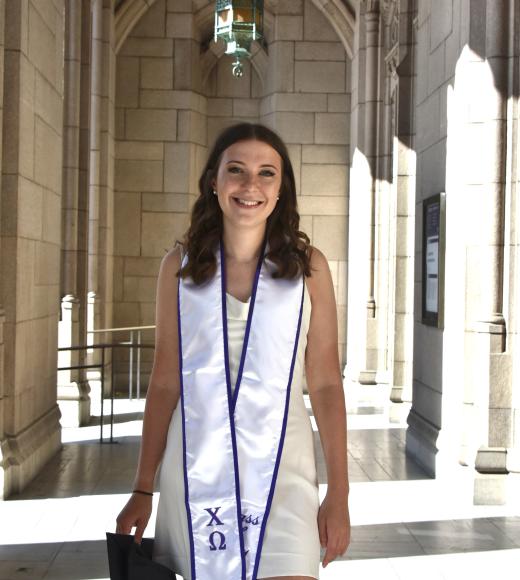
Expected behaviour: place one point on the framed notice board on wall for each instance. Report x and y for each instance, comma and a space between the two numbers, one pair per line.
433, 252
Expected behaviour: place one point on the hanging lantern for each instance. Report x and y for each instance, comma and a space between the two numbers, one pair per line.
239, 23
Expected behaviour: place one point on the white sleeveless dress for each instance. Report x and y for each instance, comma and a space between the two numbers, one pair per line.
291, 543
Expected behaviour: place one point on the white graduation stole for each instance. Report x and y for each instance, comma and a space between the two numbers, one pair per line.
232, 444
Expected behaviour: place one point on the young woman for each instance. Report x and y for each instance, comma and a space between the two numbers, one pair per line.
242, 309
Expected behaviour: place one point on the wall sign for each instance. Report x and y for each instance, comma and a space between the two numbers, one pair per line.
433, 250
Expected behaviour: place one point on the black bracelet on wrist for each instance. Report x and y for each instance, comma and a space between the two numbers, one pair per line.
143, 492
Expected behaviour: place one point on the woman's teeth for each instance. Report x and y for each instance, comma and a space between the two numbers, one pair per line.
247, 203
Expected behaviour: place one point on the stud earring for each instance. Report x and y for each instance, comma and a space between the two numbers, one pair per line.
214, 192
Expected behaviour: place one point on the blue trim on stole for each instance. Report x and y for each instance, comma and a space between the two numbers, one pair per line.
185, 469
249, 320
282, 438
231, 411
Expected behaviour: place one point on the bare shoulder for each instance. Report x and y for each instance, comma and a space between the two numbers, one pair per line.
172, 260
320, 280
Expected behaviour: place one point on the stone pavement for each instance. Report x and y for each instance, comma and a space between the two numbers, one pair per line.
405, 525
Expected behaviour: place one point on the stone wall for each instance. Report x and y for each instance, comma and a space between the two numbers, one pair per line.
30, 230
175, 92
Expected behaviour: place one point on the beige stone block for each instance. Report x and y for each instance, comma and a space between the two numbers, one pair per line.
160, 231
326, 154
295, 155
153, 21
191, 127
280, 74
127, 224
220, 107
342, 283
156, 73
177, 160
163, 99
147, 47
138, 175
246, 108
436, 74
27, 80
127, 82
342, 323
333, 267
24, 275
119, 123
180, 26
441, 20
292, 127
288, 27
168, 202
47, 159
332, 128
16, 37
25, 139
330, 236
179, 6
42, 46
328, 180
230, 86
118, 280
51, 228
30, 209
322, 205
325, 51
187, 65
139, 288
142, 266
47, 263
299, 102
289, 7
306, 225
316, 26
338, 103
139, 150
319, 77
151, 125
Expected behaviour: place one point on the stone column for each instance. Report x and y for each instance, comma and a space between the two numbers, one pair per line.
404, 217
30, 231
96, 80
73, 388
2, 275
362, 343
488, 359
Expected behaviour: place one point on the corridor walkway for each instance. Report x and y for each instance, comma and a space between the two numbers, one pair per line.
405, 525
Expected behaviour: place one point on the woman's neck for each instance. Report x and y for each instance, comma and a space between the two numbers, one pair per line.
243, 245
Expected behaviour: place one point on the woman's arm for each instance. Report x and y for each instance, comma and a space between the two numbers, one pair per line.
325, 387
161, 399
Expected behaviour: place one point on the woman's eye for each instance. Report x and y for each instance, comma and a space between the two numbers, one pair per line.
267, 173
235, 170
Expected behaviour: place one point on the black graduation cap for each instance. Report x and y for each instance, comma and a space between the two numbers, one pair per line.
128, 560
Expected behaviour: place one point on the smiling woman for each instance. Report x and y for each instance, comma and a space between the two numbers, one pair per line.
225, 413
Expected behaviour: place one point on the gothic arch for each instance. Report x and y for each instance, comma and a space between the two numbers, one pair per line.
339, 13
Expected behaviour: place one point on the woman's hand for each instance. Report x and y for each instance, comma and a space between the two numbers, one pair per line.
334, 525
135, 514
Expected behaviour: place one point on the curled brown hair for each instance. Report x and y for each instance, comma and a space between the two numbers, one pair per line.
289, 248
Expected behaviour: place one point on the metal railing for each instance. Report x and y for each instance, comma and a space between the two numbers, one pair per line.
133, 330
101, 365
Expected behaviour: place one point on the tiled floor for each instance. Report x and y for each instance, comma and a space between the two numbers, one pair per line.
405, 525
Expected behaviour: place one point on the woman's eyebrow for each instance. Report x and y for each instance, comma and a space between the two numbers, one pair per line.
242, 163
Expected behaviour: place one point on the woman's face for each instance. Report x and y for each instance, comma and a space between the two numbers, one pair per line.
248, 183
